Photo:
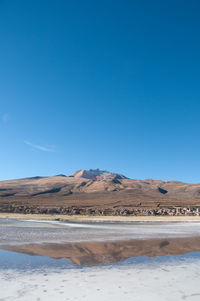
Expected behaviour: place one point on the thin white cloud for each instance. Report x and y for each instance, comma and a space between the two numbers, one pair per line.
40, 147
5, 117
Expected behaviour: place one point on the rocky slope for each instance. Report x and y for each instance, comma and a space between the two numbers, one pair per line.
97, 175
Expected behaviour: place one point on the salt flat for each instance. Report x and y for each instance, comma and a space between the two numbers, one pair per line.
170, 278
26, 231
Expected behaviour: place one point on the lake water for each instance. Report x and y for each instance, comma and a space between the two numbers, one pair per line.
26, 277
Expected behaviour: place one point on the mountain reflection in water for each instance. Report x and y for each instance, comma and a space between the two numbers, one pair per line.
108, 252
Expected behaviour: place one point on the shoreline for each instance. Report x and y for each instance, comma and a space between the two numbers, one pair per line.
88, 218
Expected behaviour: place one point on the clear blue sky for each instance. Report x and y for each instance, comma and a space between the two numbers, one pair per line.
100, 84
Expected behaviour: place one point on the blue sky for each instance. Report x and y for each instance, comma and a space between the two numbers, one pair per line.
100, 84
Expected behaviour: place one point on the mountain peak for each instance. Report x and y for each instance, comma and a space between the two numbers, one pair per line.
97, 175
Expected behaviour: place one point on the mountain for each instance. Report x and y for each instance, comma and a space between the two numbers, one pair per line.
97, 175
97, 189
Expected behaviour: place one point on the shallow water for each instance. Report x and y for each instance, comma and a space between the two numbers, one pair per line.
166, 278
24, 262
36, 278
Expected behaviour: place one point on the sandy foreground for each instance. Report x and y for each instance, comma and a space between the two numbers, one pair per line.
101, 218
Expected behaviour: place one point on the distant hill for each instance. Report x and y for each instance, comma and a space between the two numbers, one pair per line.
98, 188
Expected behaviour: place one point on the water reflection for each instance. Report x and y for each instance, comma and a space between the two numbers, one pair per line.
98, 253
24, 262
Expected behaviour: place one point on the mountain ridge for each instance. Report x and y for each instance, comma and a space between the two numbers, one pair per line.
102, 189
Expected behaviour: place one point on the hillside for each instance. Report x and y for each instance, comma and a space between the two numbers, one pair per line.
95, 188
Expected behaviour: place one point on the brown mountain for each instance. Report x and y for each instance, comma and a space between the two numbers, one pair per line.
95, 188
